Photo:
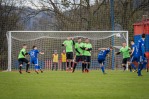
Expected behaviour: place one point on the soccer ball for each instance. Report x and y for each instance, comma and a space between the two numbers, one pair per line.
118, 35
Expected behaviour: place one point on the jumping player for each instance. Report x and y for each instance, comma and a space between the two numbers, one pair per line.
79, 52
102, 56
87, 55
125, 50
34, 58
141, 49
69, 51
22, 59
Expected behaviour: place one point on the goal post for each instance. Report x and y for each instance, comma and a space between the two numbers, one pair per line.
48, 41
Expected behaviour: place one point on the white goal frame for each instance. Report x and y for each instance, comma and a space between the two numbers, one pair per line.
9, 39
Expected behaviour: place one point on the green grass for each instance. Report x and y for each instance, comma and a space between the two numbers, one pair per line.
63, 85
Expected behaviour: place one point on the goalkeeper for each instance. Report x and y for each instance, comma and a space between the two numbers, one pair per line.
125, 50
69, 51
22, 59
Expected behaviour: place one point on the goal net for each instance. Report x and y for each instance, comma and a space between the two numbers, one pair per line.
48, 41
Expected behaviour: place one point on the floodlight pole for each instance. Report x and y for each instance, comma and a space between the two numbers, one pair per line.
112, 27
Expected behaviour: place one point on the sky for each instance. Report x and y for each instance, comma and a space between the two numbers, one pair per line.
37, 2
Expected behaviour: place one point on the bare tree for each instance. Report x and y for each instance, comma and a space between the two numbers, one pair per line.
10, 11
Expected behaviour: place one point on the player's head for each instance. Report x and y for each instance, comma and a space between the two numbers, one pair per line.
143, 36
124, 44
87, 40
55, 51
34, 47
111, 48
79, 39
132, 42
69, 38
64, 51
24, 46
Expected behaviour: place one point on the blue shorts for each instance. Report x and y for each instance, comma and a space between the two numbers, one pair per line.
37, 67
142, 59
34, 61
101, 61
134, 59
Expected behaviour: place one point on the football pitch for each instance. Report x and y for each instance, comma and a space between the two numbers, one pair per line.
63, 85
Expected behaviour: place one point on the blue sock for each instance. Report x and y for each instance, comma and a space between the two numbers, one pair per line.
133, 66
102, 68
39, 67
139, 69
144, 65
36, 67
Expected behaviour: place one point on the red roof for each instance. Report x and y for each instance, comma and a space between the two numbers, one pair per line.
145, 22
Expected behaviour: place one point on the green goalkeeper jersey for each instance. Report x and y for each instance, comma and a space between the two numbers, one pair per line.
23, 50
69, 45
78, 48
87, 45
125, 51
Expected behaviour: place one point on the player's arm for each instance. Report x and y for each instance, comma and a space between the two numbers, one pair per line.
73, 42
88, 49
83, 48
41, 53
37, 51
23, 53
132, 51
77, 51
117, 53
64, 43
143, 49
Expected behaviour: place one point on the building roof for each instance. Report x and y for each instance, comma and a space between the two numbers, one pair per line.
145, 22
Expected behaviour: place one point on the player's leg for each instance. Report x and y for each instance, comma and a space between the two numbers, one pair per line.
74, 66
20, 65
75, 63
140, 66
102, 68
36, 68
129, 66
124, 62
35, 62
68, 60
62, 66
71, 58
39, 67
27, 65
88, 63
53, 66
101, 63
83, 63
56, 66
144, 64
132, 64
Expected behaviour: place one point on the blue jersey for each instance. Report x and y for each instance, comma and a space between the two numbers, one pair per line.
103, 53
141, 47
135, 48
33, 54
